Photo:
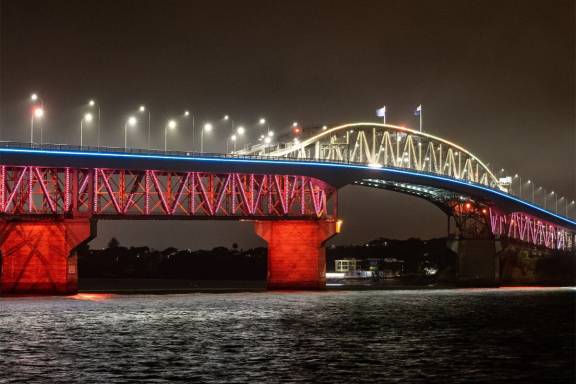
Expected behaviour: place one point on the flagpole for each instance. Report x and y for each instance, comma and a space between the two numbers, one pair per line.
420, 115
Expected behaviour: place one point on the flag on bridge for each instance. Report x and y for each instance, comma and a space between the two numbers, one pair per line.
418, 110
382, 113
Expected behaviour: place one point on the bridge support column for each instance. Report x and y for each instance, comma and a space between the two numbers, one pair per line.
478, 262
296, 254
38, 257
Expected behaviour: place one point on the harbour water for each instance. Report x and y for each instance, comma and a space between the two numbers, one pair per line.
514, 335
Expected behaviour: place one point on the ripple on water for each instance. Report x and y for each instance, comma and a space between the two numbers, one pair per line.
418, 336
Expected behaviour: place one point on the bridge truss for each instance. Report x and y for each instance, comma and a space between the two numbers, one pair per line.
384, 145
118, 193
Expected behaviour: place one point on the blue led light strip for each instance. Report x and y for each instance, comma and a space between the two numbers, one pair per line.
291, 162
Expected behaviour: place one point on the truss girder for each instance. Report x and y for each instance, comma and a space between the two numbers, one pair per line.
117, 193
523, 227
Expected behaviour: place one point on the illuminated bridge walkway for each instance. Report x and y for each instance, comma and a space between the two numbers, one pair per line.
52, 196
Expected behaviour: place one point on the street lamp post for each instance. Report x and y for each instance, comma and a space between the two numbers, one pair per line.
171, 124
143, 109
86, 118
93, 104
132, 121
233, 139
37, 113
207, 128
569, 205
520, 185
532, 184
240, 131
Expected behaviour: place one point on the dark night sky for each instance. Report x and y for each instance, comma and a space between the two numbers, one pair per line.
496, 77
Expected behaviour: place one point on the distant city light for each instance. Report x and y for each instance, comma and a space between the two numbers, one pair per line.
240, 130
270, 133
186, 113
226, 117
267, 140
324, 127
233, 137
262, 121
91, 103
295, 124
142, 108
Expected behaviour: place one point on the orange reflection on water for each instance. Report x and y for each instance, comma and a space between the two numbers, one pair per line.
92, 296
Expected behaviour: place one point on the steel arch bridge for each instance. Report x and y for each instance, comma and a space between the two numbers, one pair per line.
385, 145
52, 195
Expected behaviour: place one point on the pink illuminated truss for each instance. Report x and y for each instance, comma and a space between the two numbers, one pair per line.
526, 228
116, 193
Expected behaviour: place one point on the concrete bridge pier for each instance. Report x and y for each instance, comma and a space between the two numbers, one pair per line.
38, 256
478, 261
296, 253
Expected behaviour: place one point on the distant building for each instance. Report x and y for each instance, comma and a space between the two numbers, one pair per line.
346, 265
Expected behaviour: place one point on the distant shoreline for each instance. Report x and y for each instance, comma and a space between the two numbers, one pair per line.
183, 286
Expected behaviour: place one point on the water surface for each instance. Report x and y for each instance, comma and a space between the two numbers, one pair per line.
416, 336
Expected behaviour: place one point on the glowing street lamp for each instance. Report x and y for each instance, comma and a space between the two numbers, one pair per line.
516, 176
207, 128
131, 121
37, 113
87, 118
263, 122
569, 205
241, 130
92, 104
143, 109
233, 139
532, 184
171, 125
34, 97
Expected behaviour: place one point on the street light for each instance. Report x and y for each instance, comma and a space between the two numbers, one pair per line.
207, 128
569, 205
34, 97
92, 103
233, 139
131, 121
531, 183
88, 119
241, 130
263, 122
171, 125
37, 113
520, 186
143, 109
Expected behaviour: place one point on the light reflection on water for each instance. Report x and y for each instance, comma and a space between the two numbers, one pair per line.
523, 335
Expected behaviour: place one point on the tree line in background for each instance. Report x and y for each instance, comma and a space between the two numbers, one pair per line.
423, 261
117, 261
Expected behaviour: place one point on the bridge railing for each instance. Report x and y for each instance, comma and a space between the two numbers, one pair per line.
173, 153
